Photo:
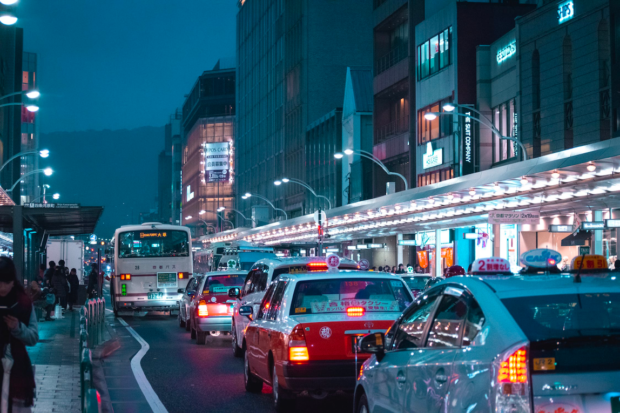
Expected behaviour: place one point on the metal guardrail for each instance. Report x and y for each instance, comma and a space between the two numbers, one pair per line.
92, 324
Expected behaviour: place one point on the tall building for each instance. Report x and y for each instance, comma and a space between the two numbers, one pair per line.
11, 49
30, 135
164, 178
208, 128
176, 198
292, 59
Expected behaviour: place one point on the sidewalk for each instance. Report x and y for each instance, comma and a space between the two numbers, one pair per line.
57, 366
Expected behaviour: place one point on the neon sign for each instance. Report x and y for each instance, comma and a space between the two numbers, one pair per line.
432, 157
506, 52
566, 11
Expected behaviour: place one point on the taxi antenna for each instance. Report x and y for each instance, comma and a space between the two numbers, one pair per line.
578, 276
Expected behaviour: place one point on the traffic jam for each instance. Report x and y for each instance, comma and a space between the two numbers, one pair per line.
487, 339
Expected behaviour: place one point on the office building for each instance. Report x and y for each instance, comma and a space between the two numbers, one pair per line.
292, 61
29, 190
164, 178
176, 198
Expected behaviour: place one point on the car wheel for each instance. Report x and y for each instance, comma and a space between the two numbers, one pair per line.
362, 405
181, 321
283, 400
201, 337
252, 383
237, 351
192, 333
187, 324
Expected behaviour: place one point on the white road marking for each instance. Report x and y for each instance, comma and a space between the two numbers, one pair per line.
107, 309
156, 405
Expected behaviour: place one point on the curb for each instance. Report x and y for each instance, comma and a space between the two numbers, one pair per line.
107, 348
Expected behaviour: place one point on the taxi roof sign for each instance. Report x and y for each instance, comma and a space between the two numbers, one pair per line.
333, 262
491, 266
590, 262
541, 258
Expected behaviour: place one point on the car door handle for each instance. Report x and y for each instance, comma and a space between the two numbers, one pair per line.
441, 378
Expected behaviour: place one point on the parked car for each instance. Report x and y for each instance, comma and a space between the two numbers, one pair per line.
210, 313
305, 330
263, 272
541, 343
188, 296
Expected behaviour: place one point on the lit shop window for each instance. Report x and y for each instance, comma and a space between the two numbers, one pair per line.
434, 54
439, 127
434, 177
505, 119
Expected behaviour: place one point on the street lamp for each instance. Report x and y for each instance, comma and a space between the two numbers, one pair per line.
56, 196
241, 213
8, 18
368, 155
43, 153
46, 171
249, 195
483, 120
305, 185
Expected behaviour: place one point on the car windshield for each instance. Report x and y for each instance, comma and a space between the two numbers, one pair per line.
153, 244
416, 283
336, 295
566, 315
220, 284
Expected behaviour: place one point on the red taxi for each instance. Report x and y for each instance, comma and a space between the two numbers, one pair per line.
303, 336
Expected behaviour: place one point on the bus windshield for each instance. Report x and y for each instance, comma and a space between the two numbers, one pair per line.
153, 244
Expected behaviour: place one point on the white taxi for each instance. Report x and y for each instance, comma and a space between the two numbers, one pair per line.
539, 343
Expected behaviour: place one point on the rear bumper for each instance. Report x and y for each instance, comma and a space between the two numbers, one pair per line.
150, 305
213, 323
326, 375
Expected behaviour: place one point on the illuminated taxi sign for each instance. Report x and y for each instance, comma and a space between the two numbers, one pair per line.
590, 262
156, 234
491, 265
541, 258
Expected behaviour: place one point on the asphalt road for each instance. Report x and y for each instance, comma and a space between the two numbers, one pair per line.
191, 377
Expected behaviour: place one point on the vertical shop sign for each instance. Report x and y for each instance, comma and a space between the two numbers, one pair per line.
467, 134
217, 161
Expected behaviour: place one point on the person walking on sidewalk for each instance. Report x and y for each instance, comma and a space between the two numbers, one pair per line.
47, 278
61, 286
18, 329
93, 281
74, 284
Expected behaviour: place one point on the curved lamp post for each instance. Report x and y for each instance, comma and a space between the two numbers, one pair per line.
248, 195
239, 212
305, 185
46, 171
449, 108
44, 153
368, 155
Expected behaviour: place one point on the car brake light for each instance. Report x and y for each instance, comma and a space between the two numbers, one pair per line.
182, 275
512, 385
297, 349
298, 354
316, 266
126, 277
355, 311
202, 309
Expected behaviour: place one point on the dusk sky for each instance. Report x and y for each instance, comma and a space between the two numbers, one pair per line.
119, 64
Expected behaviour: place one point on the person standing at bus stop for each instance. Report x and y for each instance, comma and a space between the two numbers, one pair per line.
93, 281
74, 284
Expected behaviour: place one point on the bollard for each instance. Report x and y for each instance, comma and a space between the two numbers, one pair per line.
93, 402
85, 374
83, 340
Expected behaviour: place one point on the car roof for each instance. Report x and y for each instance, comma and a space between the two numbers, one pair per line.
416, 275
537, 285
340, 274
212, 273
277, 262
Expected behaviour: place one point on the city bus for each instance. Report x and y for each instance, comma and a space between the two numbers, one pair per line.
152, 264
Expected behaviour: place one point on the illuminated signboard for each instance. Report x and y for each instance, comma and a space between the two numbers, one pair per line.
612, 223
190, 194
432, 157
593, 225
560, 228
217, 161
153, 234
506, 52
566, 11
408, 242
468, 138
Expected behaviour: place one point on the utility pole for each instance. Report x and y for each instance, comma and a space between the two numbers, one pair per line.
320, 233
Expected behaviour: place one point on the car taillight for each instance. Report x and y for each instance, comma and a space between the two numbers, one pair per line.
126, 277
202, 309
297, 349
512, 381
355, 311
316, 266
182, 275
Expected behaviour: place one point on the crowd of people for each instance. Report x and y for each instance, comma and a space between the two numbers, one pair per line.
401, 269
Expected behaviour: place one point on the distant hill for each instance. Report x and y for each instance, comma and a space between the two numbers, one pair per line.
116, 169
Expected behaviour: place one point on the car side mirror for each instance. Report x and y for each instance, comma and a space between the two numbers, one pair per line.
234, 292
247, 311
373, 344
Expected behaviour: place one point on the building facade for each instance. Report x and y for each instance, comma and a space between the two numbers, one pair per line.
29, 190
208, 163
164, 178
292, 59
176, 195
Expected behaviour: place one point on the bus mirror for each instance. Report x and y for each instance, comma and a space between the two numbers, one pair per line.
234, 292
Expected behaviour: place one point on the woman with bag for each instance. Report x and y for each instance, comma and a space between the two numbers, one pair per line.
74, 284
18, 329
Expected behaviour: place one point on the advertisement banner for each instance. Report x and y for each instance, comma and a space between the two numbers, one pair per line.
468, 141
217, 162
423, 259
514, 217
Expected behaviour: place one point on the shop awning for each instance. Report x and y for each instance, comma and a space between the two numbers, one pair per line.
54, 221
577, 238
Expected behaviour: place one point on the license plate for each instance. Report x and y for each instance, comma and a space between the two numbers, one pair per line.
155, 296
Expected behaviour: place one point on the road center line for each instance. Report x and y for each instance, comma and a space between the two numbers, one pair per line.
156, 405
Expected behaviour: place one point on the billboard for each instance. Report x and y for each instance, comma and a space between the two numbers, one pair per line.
217, 162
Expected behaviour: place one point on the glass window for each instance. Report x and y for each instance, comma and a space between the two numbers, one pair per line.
417, 282
153, 244
248, 287
410, 331
265, 304
424, 60
277, 300
220, 284
448, 322
474, 323
434, 54
336, 295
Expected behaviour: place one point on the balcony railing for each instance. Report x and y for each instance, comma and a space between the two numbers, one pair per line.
396, 127
394, 56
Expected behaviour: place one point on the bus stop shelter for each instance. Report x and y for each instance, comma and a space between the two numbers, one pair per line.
32, 225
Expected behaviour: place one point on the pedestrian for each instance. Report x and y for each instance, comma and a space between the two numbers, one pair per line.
40, 300
93, 281
41, 277
418, 269
393, 269
49, 274
61, 286
18, 329
401, 269
74, 284
373, 269
386, 268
